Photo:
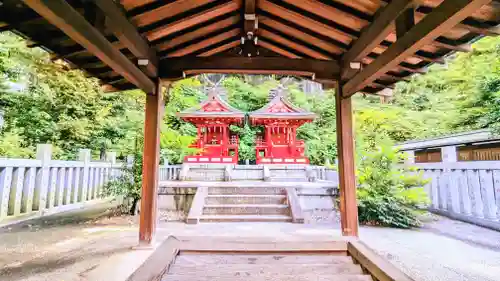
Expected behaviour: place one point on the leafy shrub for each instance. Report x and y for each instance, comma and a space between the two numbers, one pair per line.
129, 183
388, 194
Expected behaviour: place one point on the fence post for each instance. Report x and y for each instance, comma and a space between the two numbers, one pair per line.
111, 157
44, 154
449, 154
109, 175
84, 155
5, 183
410, 157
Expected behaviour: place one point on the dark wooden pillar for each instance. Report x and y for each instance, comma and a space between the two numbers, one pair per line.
346, 165
151, 160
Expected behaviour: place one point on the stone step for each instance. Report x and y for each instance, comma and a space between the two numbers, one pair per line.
247, 209
263, 276
245, 199
267, 270
201, 259
247, 190
245, 218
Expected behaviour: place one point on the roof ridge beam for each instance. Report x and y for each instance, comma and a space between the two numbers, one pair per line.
66, 18
444, 17
129, 36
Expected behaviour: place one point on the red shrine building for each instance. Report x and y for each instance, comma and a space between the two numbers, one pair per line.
212, 119
279, 144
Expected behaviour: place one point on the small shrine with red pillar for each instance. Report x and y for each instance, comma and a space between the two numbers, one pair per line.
279, 144
212, 119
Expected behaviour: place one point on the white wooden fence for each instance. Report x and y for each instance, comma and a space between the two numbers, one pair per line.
468, 191
169, 172
36, 187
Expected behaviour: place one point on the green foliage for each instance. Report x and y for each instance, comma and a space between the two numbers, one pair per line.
246, 146
388, 195
12, 146
129, 183
175, 146
44, 102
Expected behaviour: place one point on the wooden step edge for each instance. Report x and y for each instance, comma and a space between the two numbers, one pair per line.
276, 206
246, 195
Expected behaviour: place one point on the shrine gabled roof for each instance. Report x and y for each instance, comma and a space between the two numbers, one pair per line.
280, 107
213, 107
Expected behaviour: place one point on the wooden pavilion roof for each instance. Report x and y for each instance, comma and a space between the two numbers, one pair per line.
368, 45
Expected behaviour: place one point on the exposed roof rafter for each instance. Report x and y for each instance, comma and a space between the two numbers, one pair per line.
62, 15
442, 18
128, 35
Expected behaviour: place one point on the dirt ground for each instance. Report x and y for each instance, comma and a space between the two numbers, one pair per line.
96, 245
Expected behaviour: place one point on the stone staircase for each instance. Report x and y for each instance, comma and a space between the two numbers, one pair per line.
246, 204
271, 266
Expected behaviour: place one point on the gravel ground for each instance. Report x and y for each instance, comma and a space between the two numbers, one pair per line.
88, 246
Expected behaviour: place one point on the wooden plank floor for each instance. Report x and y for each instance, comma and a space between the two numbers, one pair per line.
205, 266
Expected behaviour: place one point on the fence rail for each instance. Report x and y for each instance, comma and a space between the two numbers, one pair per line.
464, 190
169, 172
31, 187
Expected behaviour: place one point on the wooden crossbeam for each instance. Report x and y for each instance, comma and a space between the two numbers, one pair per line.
443, 18
405, 21
63, 16
375, 33
128, 35
248, 23
173, 68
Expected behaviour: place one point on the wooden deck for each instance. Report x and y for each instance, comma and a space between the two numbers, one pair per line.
201, 258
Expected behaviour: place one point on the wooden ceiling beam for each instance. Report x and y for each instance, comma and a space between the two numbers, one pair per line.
220, 49
375, 33
467, 23
128, 35
459, 48
167, 11
304, 21
67, 19
203, 44
442, 19
278, 50
265, 33
173, 68
198, 33
306, 37
195, 19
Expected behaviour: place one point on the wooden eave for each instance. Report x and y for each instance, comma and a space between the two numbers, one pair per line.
319, 40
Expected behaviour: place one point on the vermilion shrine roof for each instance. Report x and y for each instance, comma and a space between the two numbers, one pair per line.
213, 107
281, 108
